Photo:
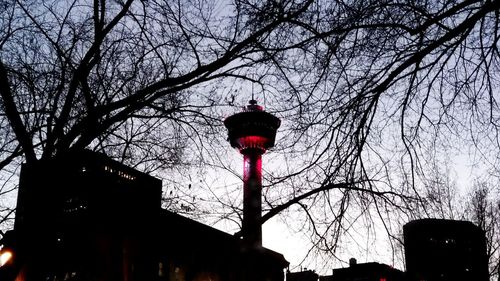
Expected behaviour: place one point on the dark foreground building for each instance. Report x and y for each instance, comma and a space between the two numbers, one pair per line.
450, 250
371, 271
87, 217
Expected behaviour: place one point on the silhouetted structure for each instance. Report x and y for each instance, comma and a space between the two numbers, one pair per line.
252, 132
306, 275
371, 271
87, 217
438, 249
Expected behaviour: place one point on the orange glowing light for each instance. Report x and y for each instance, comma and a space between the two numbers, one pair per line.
5, 257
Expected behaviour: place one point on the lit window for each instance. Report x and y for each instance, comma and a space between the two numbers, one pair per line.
161, 270
449, 241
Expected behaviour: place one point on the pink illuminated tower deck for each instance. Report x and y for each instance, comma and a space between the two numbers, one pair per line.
252, 132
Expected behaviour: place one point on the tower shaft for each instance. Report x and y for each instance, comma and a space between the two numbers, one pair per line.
252, 199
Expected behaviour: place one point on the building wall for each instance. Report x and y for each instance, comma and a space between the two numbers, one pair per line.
87, 217
371, 271
438, 249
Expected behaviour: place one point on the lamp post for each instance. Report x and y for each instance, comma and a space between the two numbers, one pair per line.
252, 132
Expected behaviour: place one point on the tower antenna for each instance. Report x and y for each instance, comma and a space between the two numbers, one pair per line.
252, 90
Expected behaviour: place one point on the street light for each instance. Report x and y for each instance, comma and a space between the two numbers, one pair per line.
5, 257
8, 246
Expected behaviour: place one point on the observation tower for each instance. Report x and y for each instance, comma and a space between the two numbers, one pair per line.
252, 132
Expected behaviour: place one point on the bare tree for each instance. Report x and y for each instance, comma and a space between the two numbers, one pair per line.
483, 208
363, 87
479, 204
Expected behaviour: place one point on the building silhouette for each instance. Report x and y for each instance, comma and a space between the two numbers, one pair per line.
371, 271
437, 249
305, 275
86, 217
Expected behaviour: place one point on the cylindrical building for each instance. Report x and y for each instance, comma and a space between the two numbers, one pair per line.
438, 249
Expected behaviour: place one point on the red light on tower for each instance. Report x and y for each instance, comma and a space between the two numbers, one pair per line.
252, 132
